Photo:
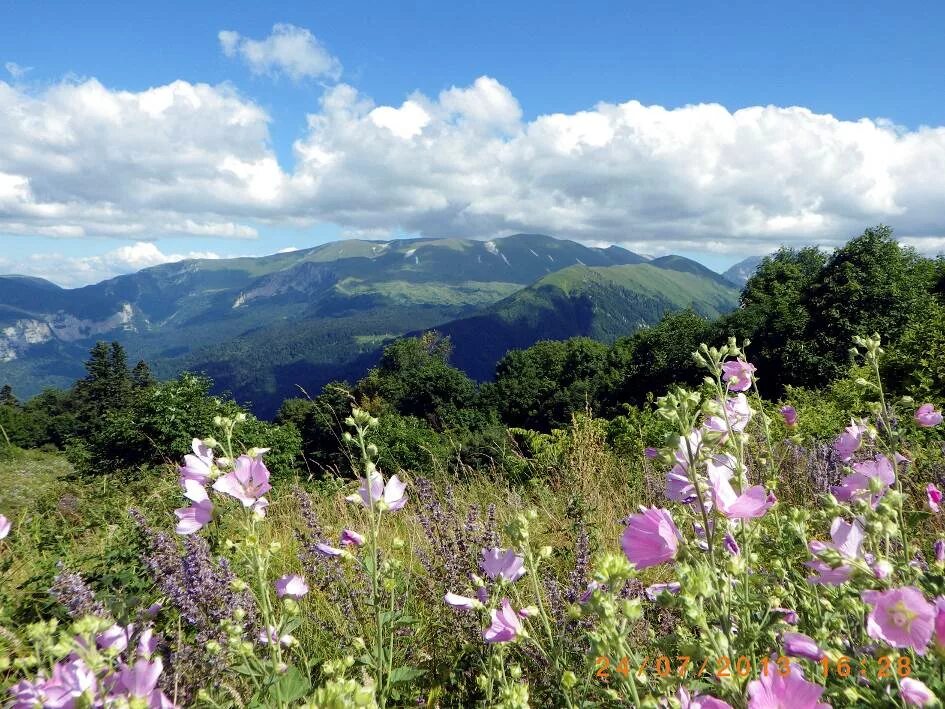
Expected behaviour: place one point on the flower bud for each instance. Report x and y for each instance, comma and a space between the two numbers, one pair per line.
240, 417
398, 543
239, 614
545, 552
515, 672
568, 680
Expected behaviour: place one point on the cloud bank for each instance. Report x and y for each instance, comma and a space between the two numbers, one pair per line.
82, 159
73, 271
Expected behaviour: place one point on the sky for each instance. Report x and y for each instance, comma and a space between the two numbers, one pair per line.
134, 134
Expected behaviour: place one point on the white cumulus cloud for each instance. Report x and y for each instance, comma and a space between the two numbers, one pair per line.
289, 50
17, 71
82, 159
73, 271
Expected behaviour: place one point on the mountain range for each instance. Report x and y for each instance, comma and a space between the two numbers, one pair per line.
263, 327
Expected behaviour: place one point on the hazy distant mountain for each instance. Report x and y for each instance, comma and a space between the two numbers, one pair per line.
261, 326
739, 274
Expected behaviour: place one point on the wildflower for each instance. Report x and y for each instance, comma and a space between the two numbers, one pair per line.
939, 548
900, 617
270, 636
4, 527
731, 546
774, 689
502, 564
328, 549
650, 538
147, 643
846, 539
141, 681
699, 701
197, 467
737, 374
788, 615
737, 414
870, 477
939, 638
191, 519
935, 498
789, 414
882, 569
373, 491
849, 441
114, 638
657, 589
589, 591
800, 645
351, 538
248, 482
679, 487
651, 452
926, 416
506, 624
291, 586
752, 503
69, 682
464, 602
915, 693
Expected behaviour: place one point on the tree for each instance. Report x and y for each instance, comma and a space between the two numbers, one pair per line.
872, 284
7, 397
774, 316
141, 376
415, 378
542, 386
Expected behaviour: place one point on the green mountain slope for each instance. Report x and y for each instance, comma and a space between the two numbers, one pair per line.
603, 302
260, 326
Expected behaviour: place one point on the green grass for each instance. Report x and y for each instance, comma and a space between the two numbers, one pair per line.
28, 476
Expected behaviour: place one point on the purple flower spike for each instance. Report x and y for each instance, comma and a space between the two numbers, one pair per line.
506, 625
291, 586
502, 564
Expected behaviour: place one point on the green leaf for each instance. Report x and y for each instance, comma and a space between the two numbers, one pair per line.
401, 675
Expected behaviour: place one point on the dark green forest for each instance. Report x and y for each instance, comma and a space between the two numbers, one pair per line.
799, 312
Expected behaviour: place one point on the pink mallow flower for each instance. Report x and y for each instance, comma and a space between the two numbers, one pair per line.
699, 701
800, 645
926, 416
291, 586
140, 681
900, 617
935, 498
846, 538
351, 538
248, 482
462, 602
737, 412
69, 682
4, 527
197, 466
871, 478
193, 518
915, 693
849, 441
506, 624
651, 538
502, 564
774, 690
752, 503
737, 374
789, 414
938, 640
373, 491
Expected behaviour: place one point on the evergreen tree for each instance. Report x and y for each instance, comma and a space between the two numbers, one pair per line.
7, 397
141, 376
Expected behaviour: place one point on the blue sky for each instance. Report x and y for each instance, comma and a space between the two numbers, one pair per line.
848, 61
